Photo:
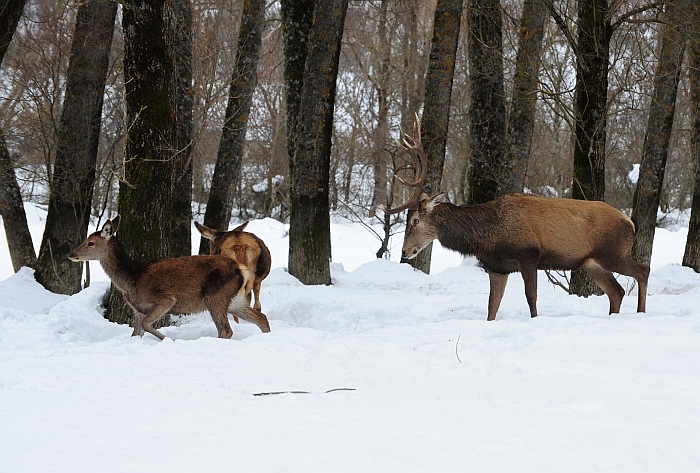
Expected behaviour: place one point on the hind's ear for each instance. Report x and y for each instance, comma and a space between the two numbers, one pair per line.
110, 227
241, 227
206, 232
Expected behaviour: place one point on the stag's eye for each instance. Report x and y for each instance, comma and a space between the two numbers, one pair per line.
415, 221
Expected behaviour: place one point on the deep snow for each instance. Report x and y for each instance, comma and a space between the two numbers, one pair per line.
431, 386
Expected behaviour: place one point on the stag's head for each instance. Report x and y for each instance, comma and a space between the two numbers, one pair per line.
420, 229
95, 246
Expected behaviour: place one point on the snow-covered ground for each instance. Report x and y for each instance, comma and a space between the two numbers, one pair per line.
427, 384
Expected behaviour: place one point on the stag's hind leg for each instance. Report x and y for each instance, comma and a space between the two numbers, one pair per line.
607, 282
638, 271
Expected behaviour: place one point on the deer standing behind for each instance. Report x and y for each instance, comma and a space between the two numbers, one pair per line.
177, 286
249, 251
524, 233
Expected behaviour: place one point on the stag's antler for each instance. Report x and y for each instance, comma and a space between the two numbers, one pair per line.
413, 145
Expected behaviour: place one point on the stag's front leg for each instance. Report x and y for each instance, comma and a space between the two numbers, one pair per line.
497, 283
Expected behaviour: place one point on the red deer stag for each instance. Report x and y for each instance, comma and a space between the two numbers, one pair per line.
524, 233
171, 286
249, 251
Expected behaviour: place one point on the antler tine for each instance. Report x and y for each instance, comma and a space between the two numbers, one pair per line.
413, 145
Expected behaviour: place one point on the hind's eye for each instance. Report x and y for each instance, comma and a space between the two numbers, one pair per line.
91, 243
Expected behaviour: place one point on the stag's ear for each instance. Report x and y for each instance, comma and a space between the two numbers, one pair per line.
110, 227
241, 227
434, 200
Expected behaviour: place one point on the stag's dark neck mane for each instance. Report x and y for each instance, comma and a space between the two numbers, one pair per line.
123, 270
465, 228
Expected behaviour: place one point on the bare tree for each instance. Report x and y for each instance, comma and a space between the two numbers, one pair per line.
487, 112
14, 218
146, 188
658, 134
73, 176
227, 172
309, 225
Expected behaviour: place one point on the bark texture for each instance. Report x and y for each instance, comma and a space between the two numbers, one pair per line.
487, 112
658, 135
309, 226
691, 256
227, 172
145, 192
590, 112
438, 96
521, 120
14, 218
73, 181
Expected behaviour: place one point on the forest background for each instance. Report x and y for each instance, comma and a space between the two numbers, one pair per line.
213, 110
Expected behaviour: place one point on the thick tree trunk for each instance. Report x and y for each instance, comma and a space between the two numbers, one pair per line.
590, 111
521, 120
73, 179
145, 192
309, 226
658, 135
14, 218
438, 96
487, 112
691, 257
180, 39
227, 172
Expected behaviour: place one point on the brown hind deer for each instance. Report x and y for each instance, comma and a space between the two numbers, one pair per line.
524, 233
171, 286
249, 251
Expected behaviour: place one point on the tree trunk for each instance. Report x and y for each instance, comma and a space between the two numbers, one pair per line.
14, 218
381, 132
309, 226
521, 120
438, 96
145, 192
691, 257
180, 39
658, 135
487, 112
73, 182
590, 111
227, 171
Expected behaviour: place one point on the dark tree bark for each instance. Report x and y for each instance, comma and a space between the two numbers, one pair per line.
691, 257
145, 192
181, 35
297, 16
438, 96
590, 112
73, 180
380, 136
309, 225
521, 120
227, 171
487, 113
14, 218
658, 135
